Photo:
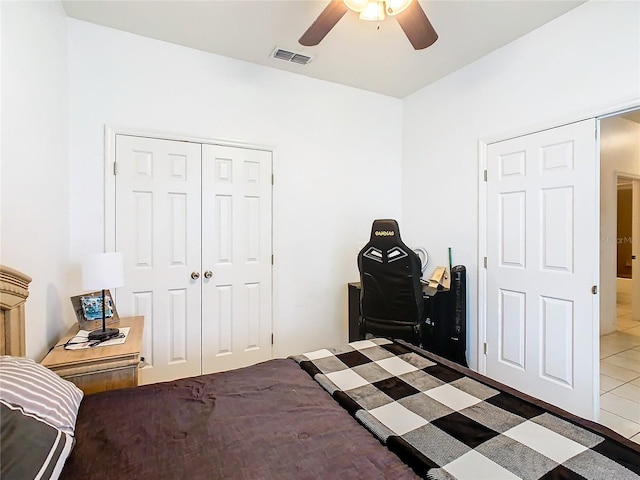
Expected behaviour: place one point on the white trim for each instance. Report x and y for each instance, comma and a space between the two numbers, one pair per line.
596, 281
621, 111
482, 252
180, 137
596, 112
630, 176
109, 190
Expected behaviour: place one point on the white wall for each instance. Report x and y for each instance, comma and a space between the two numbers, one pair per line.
34, 173
565, 70
619, 152
337, 158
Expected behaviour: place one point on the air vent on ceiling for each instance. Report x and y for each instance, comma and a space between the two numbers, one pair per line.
293, 57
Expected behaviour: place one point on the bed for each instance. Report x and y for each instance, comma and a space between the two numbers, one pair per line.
370, 409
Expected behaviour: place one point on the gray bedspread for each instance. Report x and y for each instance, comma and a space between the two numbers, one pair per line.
448, 422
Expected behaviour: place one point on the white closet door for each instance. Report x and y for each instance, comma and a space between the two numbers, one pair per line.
158, 228
542, 252
236, 249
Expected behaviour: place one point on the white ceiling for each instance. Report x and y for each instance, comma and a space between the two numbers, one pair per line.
354, 53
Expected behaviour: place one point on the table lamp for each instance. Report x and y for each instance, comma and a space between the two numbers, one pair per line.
102, 271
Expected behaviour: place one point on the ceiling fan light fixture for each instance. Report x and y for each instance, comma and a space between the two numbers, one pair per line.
374, 11
395, 7
409, 15
356, 5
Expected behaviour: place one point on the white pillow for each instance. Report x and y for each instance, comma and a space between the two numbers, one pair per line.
40, 392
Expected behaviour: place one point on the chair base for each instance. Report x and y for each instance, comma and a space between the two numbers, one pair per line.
410, 332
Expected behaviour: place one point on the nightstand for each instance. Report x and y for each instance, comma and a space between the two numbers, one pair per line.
100, 368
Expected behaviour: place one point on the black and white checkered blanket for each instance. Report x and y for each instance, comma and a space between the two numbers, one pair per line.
447, 422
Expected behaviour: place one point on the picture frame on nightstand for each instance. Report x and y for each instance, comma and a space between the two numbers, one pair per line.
88, 310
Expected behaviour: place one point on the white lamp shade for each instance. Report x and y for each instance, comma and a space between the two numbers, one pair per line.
102, 271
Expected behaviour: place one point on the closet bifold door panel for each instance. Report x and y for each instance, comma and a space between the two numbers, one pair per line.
158, 201
194, 223
236, 257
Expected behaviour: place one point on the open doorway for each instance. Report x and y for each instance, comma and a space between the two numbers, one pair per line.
628, 252
620, 273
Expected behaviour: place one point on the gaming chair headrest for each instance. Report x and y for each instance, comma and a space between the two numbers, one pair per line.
385, 231
390, 276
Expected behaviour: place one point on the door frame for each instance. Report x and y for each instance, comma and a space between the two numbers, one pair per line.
483, 144
635, 188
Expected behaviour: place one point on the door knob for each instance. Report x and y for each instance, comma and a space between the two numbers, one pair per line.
208, 274
195, 275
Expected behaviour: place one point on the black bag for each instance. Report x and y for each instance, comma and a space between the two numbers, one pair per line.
445, 329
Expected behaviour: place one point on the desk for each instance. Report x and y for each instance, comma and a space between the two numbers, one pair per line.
444, 332
437, 306
354, 311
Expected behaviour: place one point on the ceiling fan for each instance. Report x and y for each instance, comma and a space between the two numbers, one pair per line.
411, 17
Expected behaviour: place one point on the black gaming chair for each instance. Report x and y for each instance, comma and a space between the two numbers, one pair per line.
391, 302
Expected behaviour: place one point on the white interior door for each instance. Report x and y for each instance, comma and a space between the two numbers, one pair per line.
158, 230
236, 255
542, 261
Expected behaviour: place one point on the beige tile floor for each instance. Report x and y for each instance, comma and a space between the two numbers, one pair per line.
620, 375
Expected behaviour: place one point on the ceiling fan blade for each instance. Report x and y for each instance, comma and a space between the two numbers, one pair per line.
417, 26
323, 24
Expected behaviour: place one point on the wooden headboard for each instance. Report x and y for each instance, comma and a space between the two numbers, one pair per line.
14, 290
